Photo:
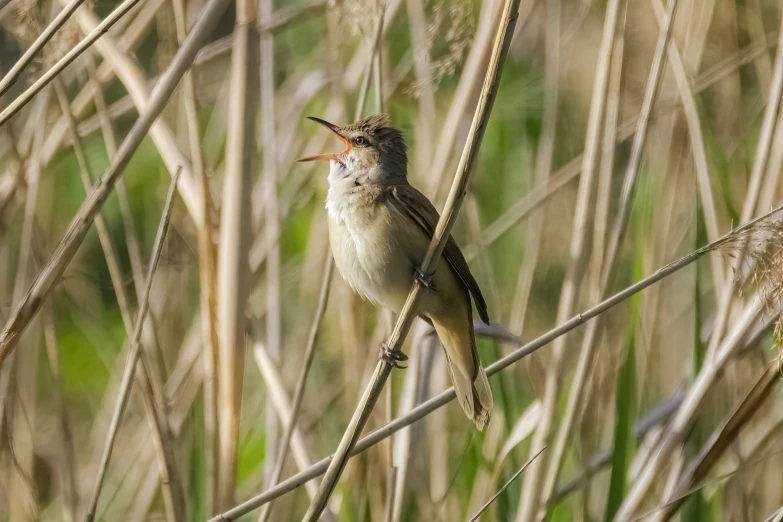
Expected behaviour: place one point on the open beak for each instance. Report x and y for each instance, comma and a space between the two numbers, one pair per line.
330, 156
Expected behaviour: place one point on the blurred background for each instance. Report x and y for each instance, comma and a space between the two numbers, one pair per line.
664, 407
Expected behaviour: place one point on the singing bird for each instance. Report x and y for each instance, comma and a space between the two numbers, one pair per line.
380, 228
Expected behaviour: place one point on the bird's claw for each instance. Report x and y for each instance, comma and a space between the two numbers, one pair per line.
392, 357
423, 280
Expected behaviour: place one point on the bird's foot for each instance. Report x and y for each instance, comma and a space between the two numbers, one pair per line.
423, 280
392, 357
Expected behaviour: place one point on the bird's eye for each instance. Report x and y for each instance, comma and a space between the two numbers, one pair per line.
360, 141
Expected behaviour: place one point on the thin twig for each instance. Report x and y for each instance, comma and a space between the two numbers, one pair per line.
505, 486
135, 348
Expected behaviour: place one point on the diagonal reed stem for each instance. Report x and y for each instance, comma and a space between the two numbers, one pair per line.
66, 60
13, 75
505, 486
135, 349
296, 403
172, 493
441, 235
322, 299
520, 353
27, 309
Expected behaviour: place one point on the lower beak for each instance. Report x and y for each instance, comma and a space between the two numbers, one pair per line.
330, 156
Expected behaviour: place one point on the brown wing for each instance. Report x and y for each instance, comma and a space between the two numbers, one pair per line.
410, 201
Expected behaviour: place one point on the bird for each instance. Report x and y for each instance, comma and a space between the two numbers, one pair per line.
380, 228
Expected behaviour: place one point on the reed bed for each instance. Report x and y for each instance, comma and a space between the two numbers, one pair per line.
611, 170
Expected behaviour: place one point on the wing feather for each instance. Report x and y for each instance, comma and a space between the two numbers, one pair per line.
413, 203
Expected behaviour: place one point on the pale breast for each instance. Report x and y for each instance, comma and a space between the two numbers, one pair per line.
375, 252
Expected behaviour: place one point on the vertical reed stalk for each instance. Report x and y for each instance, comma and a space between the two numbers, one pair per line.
235, 220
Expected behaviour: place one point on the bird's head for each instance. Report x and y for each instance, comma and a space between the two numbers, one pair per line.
374, 152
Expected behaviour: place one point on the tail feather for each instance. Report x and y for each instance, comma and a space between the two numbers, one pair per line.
467, 375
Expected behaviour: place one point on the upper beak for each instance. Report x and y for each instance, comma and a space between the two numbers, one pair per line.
330, 156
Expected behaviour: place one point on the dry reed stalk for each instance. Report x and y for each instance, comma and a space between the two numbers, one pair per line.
377, 75
401, 446
534, 479
637, 147
570, 171
74, 53
425, 92
22, 385
385, 320
442, 232
151, 385
698, 147
523, 351
180, 391
679, 425
749, 207
544, 153
282, 406
13, 74
110, 143
720, 347
235, 230
173, 494
468, 82
281, 19
720, 440
377, 34
756, 30
33, 167
68, 482
82, 100
274, 327
608, 263
207, 266
657, 416
301, 382
135, 82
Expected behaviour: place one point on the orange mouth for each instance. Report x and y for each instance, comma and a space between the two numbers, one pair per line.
333, 156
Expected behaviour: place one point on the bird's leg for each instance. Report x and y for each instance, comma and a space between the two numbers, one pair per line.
392, 357
423, 280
